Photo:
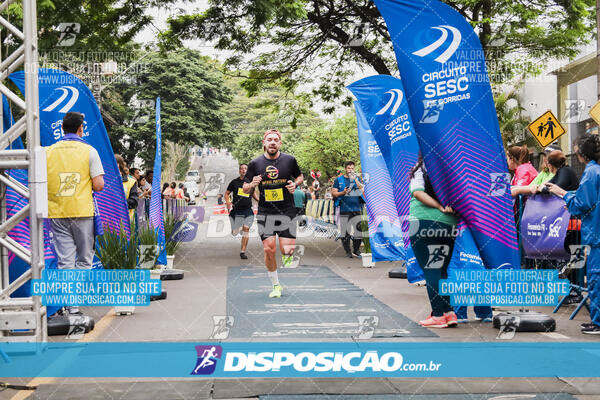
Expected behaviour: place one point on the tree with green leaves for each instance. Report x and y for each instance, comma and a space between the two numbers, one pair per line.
104, 25
85, 38
193, 99
250, 116
287, 41
328, 146
509, 110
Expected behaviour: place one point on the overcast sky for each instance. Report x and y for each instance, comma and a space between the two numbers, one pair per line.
160, 16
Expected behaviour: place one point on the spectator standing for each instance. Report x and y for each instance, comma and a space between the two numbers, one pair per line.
427, 214
149, 177
300, 204
566, 179
166, 191
564, 176
130, 186
171, 193
316, 187
144, 190
74, 170
146, 185
135, 172
178, 191
347, 190
518, 162
181, 193
543, 176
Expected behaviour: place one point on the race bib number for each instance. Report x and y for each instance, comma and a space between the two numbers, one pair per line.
274, 194
242, 194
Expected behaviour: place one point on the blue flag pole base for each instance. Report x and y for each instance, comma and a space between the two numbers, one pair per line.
69, 324
400, 273
171, 274
524, 321
161, 296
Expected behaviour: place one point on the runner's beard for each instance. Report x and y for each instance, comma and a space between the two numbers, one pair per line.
272, 150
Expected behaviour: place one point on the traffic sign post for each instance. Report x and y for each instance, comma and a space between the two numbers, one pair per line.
546, 129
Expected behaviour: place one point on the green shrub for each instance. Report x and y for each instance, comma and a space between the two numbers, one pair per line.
171, 223
115, 251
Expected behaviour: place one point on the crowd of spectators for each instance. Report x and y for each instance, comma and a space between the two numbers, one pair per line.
175, 191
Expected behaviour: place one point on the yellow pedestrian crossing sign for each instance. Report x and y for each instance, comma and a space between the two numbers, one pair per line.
595, 113
546, 129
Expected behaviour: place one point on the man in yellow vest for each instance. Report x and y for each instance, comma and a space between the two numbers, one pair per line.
74, 171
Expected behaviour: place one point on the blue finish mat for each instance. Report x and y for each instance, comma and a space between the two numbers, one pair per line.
316, 303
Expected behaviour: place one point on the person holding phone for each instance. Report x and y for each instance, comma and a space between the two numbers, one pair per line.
347, 190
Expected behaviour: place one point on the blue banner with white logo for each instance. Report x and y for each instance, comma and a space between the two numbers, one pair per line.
156, 211
385, 232
443, 69
59, 93
382, 99
300, 359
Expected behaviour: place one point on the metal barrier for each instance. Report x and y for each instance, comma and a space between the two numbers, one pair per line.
320, 214
322, 209
175, 207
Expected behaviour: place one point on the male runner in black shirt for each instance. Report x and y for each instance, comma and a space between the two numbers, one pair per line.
277, 175
240, 210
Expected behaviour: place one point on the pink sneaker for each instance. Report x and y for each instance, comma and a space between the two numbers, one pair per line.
434, 322
451, 318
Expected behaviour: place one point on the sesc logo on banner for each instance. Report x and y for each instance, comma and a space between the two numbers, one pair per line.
451, 83
66, 105
398, 96
451, 48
